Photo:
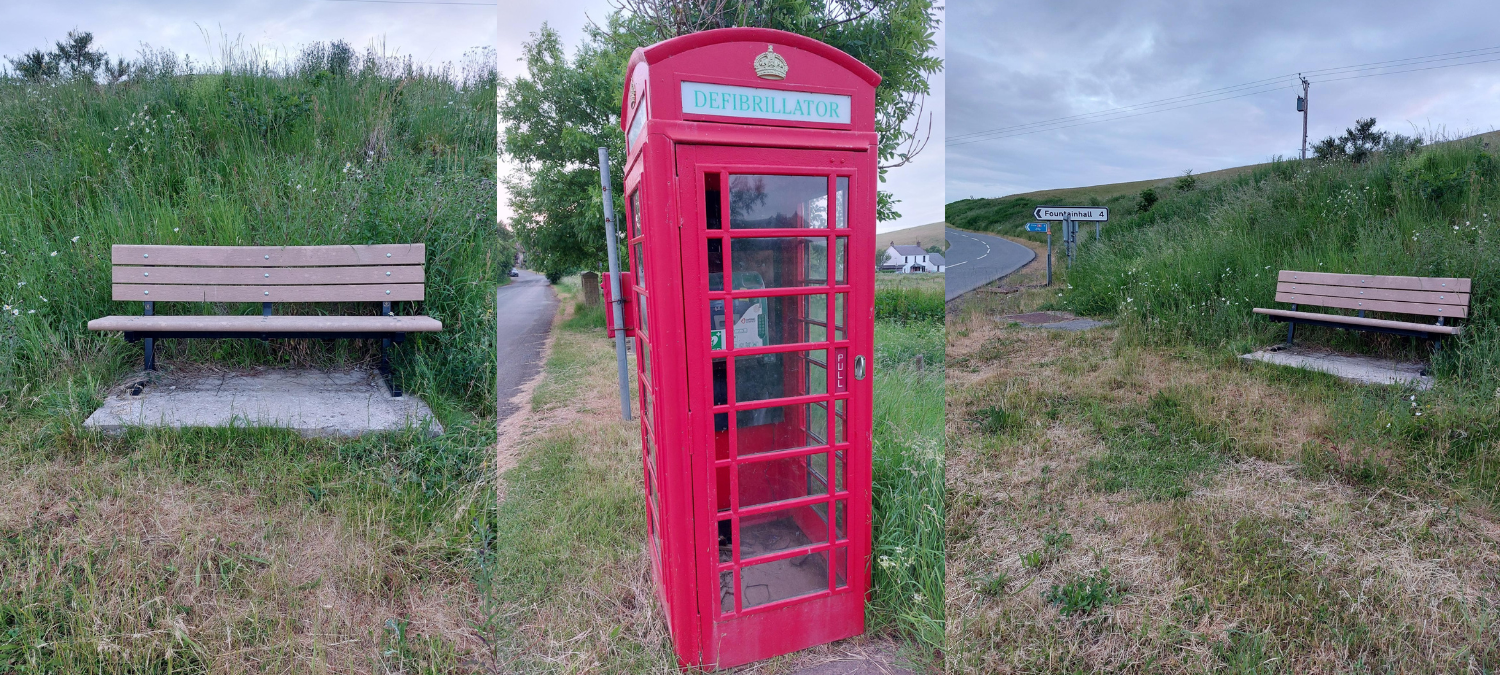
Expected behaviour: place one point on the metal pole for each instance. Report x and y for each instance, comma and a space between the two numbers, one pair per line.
1070, 237
617, 301
1097, 227
1049, 254
1305, 106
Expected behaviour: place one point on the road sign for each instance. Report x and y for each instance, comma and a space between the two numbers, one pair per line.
1071, 213
1036, 227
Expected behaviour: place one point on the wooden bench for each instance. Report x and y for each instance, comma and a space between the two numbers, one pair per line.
1446, 299
385, 273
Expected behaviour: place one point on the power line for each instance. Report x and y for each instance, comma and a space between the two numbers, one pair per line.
1259, 86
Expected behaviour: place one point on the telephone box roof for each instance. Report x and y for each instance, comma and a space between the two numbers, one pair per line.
728, 56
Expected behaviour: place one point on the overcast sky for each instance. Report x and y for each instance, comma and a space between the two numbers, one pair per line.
431, 33
1024, 62
919, 185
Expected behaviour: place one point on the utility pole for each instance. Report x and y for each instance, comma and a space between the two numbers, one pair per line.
1302, 105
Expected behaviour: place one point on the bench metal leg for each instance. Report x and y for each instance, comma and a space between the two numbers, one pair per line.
1291, 328
385, 368
149, 310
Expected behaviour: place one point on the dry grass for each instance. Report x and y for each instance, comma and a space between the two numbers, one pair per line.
1256, 568
211, 576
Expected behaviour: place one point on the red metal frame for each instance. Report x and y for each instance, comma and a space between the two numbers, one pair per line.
808, 482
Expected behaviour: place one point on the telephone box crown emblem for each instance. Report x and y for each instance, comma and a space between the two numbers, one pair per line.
770, 65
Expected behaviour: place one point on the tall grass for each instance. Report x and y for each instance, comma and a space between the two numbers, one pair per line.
1190, 270
252, 153
908, 569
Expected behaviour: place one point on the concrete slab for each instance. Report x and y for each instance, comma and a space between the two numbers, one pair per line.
1351, 367
1053, 320
313, 403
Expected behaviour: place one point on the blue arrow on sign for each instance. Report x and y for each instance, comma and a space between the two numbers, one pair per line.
1036, 227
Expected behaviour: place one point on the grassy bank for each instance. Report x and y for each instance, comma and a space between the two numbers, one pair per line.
1133, 499
571, 588
241, 550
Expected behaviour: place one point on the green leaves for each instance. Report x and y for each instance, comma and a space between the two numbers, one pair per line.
564, 109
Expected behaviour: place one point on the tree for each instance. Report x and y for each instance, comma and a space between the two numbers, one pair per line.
1186, 182
558, 115
71, 58
1362, 141
1147, 200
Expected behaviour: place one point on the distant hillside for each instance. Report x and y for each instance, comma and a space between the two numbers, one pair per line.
930, 234
1009, 214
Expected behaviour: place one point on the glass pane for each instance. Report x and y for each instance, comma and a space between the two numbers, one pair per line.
645, 351
786, 427
843, 201
777, 531
840, 567
726, 591
758, 202
721, 487
765, 322
841, 249
766, 583
640, 265
651, 457
778, 262
648, 406
721, 393
713, 209
640, 303
766, 376
838, 471
838, 421
838, 520
840, 300
635, 214
781, 479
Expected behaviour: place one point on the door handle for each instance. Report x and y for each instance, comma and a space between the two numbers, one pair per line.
859, 367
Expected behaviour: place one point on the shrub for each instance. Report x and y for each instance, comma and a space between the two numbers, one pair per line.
909, 304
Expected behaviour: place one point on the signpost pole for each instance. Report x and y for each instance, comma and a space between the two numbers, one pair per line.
1049, 255
616, 300
1068, 237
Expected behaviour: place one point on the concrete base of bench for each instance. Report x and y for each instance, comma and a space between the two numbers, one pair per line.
1350, 367
312, 403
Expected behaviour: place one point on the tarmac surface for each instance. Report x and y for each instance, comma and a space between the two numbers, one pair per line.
977, 259
523, 309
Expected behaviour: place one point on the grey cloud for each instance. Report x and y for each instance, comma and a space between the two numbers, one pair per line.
1025, 62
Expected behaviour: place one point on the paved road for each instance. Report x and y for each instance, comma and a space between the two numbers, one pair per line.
524, 309
977, 259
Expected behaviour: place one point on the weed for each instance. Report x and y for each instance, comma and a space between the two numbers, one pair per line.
1084, 594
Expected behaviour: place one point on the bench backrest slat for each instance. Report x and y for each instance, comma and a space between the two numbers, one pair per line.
279, 256
1424, 296
384, 272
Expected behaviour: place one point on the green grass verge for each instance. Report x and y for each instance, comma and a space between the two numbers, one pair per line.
1189, 271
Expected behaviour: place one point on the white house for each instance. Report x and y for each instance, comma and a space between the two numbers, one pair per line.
909, 259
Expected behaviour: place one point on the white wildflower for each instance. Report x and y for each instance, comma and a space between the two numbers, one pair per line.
53, 254
75, 240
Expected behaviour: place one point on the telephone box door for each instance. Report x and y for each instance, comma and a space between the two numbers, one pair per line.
778, 259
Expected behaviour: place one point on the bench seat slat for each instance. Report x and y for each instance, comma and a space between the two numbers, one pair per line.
259, 324
280, 256
1428, 297
281, 276
342, 293
1372, 281
1359, 321
1456, 312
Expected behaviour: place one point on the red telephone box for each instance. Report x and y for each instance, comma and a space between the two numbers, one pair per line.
750, 185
